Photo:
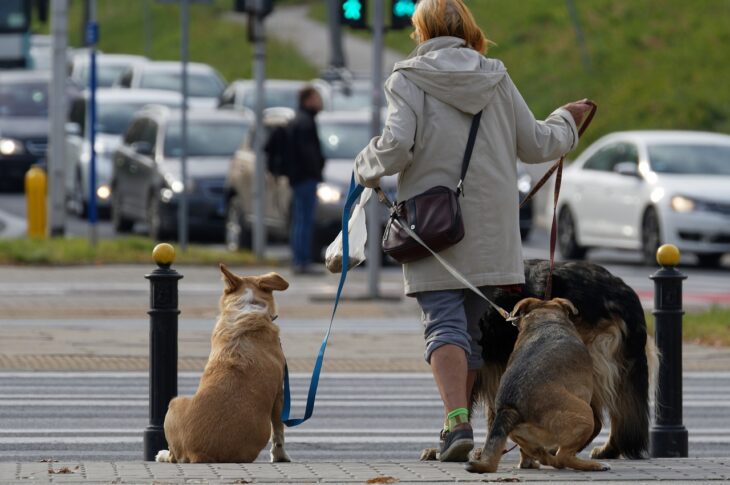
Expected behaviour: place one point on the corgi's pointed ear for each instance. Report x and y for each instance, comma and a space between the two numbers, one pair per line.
272, 282
231, 281
567, 305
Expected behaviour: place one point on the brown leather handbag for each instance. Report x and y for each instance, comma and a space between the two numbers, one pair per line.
433, 215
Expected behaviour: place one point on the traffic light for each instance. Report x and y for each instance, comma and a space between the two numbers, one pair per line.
354, 13
402, 13
250, 7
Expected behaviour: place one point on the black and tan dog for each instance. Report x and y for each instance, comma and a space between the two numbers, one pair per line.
544, 396
611, 323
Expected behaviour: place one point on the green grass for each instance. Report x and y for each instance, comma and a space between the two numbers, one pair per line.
128, 250
710, 327
655, 63
213, 39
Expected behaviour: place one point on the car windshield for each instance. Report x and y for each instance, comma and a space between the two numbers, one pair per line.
206, 138
29, 98
199, 85
275, 98
106, 74
342, 139
357, 99
114, 118
694, 159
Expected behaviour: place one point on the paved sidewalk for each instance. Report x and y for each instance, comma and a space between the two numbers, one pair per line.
685, 470
95, 318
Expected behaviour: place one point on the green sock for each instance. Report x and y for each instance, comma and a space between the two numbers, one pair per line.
455, 418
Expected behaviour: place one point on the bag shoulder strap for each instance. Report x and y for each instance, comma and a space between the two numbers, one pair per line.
469, 149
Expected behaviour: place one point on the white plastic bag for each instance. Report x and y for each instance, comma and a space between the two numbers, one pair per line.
358, 234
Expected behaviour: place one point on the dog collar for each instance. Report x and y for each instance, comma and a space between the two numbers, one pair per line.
274, 317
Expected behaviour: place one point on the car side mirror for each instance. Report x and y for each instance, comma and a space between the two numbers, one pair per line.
73, 128
629, 169
142, 148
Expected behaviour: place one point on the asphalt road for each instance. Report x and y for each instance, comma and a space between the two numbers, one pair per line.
363, 417
703, 288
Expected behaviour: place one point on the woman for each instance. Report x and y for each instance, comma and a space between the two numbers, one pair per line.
432, 97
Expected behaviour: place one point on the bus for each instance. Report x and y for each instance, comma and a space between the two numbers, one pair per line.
15, 19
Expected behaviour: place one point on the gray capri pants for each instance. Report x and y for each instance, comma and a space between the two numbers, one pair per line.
452, 317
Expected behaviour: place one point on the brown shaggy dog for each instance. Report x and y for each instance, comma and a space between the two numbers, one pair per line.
543, 401
238, 404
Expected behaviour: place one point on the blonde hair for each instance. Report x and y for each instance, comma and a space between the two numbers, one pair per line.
437, 18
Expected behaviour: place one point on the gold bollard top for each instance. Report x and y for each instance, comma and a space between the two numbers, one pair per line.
164, 254
668, 255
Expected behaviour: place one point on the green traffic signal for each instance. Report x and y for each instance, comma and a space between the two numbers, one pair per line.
401, 13
352, 9
404, 8
353, 13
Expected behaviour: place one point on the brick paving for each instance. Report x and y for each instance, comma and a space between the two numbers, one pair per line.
679, 470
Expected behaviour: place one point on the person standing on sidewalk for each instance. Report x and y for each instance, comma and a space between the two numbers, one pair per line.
432, 97
305, 173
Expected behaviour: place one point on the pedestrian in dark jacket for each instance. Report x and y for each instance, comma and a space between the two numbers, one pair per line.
304, 174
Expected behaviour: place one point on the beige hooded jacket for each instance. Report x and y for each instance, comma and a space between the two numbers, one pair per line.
432, 97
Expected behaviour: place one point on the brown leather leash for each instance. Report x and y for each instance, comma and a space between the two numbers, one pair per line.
557, 167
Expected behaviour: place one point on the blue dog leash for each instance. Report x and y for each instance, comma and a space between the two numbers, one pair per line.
354, 193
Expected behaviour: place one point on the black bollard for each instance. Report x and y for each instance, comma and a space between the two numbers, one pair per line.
163, 346
668, 436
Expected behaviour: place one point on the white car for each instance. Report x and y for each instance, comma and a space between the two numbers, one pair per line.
640, 189
205, 84
108, 67
115, 110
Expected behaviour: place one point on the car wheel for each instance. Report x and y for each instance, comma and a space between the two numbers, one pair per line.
121, 224
709, 260
567, 243
154, 219
238, 235
650, 237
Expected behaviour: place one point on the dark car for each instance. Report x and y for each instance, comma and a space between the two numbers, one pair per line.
23, 124
146, 173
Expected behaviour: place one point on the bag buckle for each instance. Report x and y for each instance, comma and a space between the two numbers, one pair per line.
460, 188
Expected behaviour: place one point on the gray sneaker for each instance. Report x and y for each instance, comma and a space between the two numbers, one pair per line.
456, 444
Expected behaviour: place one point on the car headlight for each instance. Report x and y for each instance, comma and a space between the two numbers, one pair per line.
683, 204
328, 194
11, 146
524, 183
103, 192
166, 195
177, 186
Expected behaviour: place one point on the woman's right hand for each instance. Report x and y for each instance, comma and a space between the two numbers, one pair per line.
578, 109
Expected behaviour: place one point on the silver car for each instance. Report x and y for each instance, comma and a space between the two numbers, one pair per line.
205, 84
342, 136
115, 110
108, 68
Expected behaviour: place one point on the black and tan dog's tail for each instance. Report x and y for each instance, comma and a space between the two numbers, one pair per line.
629, 408
504, 422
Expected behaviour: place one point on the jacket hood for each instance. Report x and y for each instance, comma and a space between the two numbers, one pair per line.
448, 70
